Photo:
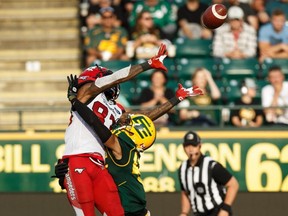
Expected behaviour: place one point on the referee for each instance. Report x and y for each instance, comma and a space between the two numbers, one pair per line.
206, 185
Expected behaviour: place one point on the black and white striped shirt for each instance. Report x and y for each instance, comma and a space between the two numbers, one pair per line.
204, 183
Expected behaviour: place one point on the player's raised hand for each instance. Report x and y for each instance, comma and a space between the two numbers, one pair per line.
73, 87
157, 60
183, 93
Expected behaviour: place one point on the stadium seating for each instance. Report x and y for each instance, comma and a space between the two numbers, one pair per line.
171, 66
193, 48
34, 119
17, 77
172, 84
283, 63
40, 46
260, 84
128, 91
186, 67
222, 85
41, 31
232, 90
239, 68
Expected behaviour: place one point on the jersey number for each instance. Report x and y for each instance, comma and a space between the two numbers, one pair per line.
103, 113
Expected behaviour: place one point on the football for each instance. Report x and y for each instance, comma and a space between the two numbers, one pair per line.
214, 16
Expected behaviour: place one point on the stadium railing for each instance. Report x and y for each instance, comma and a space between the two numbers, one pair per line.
56, 119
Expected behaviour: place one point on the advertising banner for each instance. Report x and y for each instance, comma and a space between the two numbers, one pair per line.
258, 159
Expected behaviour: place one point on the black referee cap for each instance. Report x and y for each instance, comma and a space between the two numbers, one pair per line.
191, 138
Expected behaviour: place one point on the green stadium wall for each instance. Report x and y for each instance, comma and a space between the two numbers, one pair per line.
258, 159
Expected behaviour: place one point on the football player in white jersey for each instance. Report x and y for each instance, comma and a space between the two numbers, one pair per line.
88, 183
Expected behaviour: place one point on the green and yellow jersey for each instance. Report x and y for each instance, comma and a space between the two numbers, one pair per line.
126, 174
98, 39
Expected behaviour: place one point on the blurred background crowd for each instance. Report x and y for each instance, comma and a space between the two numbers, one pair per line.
133, 30
242, 66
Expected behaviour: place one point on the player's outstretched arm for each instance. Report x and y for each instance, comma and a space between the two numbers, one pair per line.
127, 73
181, 94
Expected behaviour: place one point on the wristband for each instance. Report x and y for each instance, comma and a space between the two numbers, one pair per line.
226, 207
72, 101
145, 66
174, 101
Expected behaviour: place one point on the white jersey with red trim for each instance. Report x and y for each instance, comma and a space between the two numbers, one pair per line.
80, 138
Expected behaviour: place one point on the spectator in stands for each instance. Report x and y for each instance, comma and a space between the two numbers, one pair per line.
247, 116
273, 37
278, 4
156, 94
106, 42
94, 16
275, 95
146, 37
128, 6
189, 20
258, 6
249, 15
202, 78
163, 14
235, 39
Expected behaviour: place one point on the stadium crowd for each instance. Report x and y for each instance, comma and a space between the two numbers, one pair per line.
255, 31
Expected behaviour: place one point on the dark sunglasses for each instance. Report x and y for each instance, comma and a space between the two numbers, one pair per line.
107, 17
147, 18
